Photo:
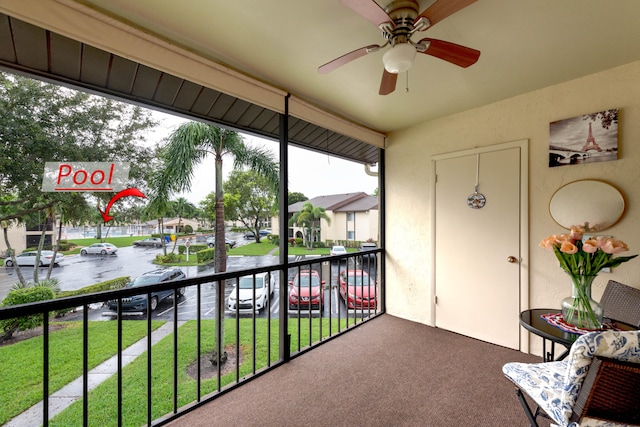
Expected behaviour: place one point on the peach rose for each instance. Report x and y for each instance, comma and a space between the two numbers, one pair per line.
565, 238
590, 246
549, 242
568, 248
576, 232
613, 246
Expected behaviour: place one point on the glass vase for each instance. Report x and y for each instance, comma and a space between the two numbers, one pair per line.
580, 309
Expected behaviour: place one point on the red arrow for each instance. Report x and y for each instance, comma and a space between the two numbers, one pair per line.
124, 193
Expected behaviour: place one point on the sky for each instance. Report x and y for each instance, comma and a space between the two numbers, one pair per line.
310, 173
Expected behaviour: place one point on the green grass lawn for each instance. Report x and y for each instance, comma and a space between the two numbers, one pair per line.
21, 374
262, 248
253, 249
103, 399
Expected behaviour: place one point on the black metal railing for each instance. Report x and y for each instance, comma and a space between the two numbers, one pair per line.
240, 315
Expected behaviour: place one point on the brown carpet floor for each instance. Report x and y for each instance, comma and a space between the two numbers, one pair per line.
386, 372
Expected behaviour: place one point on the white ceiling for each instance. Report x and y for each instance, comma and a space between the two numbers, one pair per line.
525, 44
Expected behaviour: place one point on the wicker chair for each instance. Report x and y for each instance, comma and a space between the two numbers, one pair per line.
621, 302
597, 385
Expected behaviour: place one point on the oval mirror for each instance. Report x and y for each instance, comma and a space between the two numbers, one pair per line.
594, 204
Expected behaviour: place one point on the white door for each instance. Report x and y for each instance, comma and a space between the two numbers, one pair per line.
478, 251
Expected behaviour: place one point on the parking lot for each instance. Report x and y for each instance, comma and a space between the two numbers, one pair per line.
77, 271
187, 305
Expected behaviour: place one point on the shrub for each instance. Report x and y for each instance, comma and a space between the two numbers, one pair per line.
23, 296
205, 254
107, 285
169, 258
188, 229
182, 249
64, 246
299, 242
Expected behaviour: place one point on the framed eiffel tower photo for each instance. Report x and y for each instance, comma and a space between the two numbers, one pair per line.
588, 138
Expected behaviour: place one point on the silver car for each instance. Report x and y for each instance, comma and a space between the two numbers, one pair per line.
100, 249
211, 242
156, 242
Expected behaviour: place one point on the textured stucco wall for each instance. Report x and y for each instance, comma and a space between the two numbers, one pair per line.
408, 172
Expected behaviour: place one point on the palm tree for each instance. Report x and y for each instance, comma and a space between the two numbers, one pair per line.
158, 207
189, 145
181, 207
309, 219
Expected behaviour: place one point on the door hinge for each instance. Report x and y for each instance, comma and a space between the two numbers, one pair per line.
435, 299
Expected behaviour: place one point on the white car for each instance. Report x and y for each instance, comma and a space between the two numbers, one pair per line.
29, 258
338, 250
100, 249
241, 297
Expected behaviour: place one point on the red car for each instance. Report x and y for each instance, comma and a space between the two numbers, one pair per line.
357, 289
306, 291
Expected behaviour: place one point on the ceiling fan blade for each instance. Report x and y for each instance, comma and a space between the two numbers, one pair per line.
461, 56
388, 83
369, 10
348, 57
444, 8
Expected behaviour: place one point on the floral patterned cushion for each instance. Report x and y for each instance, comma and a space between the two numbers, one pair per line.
555, 385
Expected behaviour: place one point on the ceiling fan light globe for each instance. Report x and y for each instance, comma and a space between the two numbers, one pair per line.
399, 58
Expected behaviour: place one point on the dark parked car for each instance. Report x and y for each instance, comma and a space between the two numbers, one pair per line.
139, 302
368, 259
250, 235
156, 242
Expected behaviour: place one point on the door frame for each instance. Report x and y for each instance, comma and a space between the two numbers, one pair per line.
524, 224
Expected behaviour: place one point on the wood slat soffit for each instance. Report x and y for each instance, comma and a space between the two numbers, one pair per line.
43, 54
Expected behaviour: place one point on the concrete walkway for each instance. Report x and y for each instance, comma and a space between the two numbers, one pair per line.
68, 394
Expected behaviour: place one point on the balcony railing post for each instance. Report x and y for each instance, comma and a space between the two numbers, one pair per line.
219, 342
285, 350
45, 369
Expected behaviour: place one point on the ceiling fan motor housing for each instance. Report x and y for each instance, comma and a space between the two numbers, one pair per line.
403, 13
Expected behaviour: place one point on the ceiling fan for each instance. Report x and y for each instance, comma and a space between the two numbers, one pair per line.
398, 22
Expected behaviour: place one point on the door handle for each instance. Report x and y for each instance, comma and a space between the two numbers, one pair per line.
511, 259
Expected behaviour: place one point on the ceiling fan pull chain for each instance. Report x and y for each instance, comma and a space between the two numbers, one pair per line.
406, 89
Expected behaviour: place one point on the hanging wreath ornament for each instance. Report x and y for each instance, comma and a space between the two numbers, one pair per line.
476, 200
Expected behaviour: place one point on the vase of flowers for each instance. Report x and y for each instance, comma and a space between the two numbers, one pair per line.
582, 259
580, 309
